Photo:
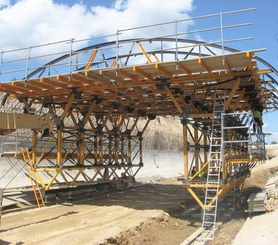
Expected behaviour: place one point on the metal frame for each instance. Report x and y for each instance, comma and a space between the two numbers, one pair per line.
98, 103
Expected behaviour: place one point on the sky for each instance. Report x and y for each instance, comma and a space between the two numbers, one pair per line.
30, 22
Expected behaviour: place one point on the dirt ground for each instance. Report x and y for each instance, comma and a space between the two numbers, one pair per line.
154, 213
147, 214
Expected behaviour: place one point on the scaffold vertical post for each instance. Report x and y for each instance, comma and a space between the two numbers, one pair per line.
205, 132
222, 35
16, 142
185, 151
176, 35
27, 64
59, 146
34, 150
117, 52
70, 57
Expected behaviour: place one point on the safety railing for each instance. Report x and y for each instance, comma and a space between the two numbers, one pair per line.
243, 137
158, 42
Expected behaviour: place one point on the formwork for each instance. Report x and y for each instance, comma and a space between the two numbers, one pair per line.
96, 97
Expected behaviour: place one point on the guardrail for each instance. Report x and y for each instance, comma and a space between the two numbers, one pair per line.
162, 41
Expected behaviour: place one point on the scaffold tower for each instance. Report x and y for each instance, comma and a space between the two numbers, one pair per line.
82, 113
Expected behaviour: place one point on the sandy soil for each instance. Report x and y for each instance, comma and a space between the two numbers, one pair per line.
150, 214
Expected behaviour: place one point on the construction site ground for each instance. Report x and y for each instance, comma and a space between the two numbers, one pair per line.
158, 212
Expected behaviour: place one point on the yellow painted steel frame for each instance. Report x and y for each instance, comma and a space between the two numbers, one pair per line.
224, 189
96, 113
123, 135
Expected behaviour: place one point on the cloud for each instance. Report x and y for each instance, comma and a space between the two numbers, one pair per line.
27, 23
30, 22
4, 3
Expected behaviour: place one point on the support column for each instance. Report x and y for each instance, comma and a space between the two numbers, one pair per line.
197, 148
141, 150
59, 146
116, 136
185, 152
122, 149
34, 150
129, 149
96, 149
100, 145
205, 133
81, 148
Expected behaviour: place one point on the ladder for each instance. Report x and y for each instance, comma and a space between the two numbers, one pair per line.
214, 171
31, 174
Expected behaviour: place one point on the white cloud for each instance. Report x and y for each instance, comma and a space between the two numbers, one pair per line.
4, 3
30, 22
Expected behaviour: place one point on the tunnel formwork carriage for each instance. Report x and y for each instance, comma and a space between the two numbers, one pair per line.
100, 100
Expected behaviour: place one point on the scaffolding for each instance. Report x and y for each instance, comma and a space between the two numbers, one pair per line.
101, 98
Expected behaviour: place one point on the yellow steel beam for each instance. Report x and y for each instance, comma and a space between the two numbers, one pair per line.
248, 55
205, 132
226, 62
180, 110
113, 65
68, 107
59, 147
76, 176
156, 58
28, 86
134, 124
196, 152
38, 177
34, 147
263, 71
240, 97
144, 53
73, 118
145, 127
12, 86
64, 178
89, 112
195, 197
91, 59
143, 73
127, 74
81, 148
45, 149
200, 170
55, 84
203, 64
163, 70
52, 179
183, 68
198, 78
231, 95
96, 174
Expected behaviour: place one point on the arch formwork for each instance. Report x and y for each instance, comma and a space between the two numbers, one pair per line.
101, 99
